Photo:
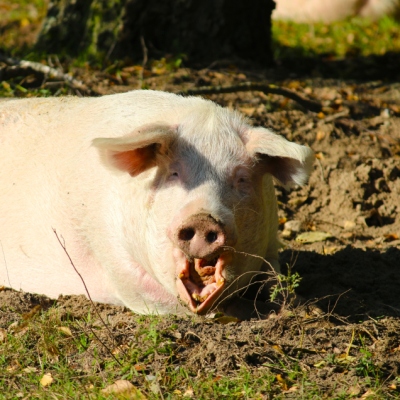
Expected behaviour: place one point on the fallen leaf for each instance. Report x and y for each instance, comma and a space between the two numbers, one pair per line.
282, 381
311, 237
32, 312
329, 250
349, 224
3, 335
124, 389
278, 348
353, 390
188, 393
320, 364
29, 370
249, 111
368, 393
319, 136
297, 201
345, 358
46, 380
391, 236
226, 320
392, 387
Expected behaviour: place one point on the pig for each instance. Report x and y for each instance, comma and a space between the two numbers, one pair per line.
310, 11
164, 204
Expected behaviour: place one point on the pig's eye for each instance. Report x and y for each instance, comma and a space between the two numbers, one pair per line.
242, 182
173, 176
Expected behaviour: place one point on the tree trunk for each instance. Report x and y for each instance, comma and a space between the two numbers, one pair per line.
199, 30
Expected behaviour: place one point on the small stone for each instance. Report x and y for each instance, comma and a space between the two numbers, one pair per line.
294, 226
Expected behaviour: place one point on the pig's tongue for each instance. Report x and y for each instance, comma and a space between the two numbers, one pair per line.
201, 282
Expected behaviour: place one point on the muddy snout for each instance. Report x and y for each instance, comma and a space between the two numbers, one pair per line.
202, 236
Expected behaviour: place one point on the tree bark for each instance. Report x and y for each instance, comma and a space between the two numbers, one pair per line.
201, 31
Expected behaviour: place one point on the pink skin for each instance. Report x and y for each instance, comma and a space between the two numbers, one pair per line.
157, 198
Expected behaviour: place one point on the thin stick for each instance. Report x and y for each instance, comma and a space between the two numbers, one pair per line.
5, 264
48, 71
90, 298
260, 87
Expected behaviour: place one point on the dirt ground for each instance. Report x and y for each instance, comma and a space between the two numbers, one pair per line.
353, 197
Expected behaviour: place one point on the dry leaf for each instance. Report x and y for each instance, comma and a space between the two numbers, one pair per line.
31, 313
349, 224
282, 381
226, 320
369, 393
46, 380
353, 391
278, 348
188, 393
320, 364
297, 201
329, 250
391, 236
249, 111
124, 389
320, 135
3, 335
293, 389
311, 237
29, 370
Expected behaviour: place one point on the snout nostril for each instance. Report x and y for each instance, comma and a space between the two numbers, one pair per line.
211, 236
186, 234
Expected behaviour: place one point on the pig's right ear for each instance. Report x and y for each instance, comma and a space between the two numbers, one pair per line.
288, 162
138, 151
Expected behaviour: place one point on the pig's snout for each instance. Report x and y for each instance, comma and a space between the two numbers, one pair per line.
201, 236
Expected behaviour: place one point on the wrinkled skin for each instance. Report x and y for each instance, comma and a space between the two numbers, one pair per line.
164, 203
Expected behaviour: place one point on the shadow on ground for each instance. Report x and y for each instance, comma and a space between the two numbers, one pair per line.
352, 283
294, 63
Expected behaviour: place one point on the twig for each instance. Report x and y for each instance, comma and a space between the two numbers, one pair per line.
145, 59
5, 264
48, 71
260, 87
90, 298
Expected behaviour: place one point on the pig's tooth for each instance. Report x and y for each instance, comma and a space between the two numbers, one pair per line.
197, 297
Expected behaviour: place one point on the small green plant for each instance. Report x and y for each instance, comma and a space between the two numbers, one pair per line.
366, 366
286, 285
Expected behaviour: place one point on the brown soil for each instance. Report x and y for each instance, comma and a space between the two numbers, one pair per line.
354, 276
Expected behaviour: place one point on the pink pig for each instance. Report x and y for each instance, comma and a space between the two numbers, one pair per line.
155, 196
309, 11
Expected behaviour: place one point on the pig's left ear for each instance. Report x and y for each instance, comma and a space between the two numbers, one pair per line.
138, 151
288, 162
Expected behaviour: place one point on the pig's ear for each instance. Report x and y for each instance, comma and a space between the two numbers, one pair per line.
138, 151
288, 162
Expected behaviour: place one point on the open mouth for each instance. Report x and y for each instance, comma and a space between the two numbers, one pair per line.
200, 281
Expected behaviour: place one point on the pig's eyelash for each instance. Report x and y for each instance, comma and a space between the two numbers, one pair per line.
238, 209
